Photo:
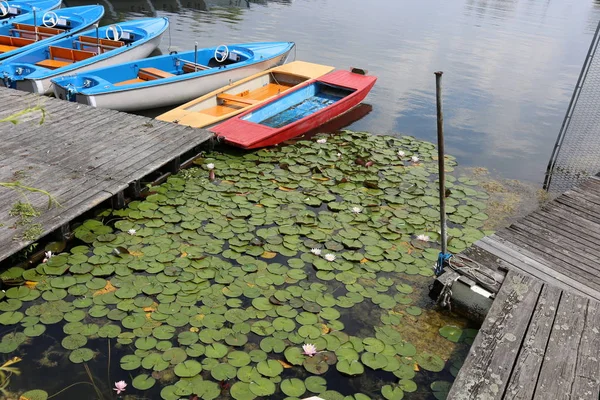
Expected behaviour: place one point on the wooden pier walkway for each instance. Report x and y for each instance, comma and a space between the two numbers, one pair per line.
81, 155
541, 336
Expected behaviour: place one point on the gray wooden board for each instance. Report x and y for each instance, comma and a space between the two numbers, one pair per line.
560, 360
520, 258
587, 381
544, 252
578, 208
562, 248
572, 221
81, 155
486, 371
567, 228
531, 355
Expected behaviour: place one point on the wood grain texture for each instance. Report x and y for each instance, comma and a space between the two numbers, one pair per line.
81, 155
486, 372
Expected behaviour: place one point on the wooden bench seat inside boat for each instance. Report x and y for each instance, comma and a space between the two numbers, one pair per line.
145, 75
236, 98
191, 67
29, 31
149, 74
91, 43
10, 43
60, 56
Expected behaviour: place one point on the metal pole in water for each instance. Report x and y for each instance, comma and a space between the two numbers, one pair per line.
440, 139
196, 57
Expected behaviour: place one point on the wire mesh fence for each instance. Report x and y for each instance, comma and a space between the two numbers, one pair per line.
576, 154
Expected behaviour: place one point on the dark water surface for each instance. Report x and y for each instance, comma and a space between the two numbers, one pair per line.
509, 65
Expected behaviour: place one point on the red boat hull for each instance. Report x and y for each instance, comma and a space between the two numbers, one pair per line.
249, 135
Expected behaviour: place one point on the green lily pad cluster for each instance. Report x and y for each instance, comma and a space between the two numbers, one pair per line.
225, 280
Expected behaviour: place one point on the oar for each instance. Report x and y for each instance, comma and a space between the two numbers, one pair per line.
35, 25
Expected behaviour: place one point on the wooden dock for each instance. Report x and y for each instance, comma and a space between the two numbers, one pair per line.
82, 156
541, 337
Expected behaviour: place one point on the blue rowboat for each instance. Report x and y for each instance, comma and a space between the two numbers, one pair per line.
170, 79
19, 9
32, 70
17, 37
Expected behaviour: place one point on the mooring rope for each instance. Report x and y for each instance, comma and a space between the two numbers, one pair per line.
475, 270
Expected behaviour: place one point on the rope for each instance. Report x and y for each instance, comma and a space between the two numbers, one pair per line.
476, 270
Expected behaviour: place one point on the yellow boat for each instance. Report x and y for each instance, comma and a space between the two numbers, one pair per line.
239, 96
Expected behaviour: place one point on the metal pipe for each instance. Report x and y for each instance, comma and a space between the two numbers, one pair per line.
97, 40
196, 57
441, 166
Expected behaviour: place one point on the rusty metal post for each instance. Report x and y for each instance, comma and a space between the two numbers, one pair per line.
441, 166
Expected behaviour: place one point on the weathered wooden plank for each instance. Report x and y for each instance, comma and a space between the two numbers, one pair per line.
579, 206
531, 354
587, 193
581, 254
572, 221
557, 257
486, 371
587, 382
560, 360
521, 258
568, 229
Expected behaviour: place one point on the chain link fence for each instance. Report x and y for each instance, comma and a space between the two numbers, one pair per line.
576, 154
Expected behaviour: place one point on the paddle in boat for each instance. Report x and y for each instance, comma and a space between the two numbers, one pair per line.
32, 70
18, 9
296, 111
170, 79
240, 96
43, 28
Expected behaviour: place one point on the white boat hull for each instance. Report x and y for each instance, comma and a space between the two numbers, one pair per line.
45, 86
172, 93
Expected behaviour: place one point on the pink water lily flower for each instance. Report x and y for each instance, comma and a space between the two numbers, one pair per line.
309, 349
120, 386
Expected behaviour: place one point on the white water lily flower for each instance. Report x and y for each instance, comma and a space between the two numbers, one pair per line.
316, 251
401, 153
414, 159
356, 210
48, 255
309, 349
321, 141
210, 166
330, 257
131, 231
423, 238
339, 155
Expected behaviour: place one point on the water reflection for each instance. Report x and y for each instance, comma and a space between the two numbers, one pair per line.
510, 65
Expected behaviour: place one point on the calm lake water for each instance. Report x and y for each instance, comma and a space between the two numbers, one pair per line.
509, 65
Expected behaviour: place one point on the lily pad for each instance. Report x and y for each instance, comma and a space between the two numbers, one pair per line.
143, 382
189, 368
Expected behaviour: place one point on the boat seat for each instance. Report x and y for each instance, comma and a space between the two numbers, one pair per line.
91, 43
149, 74
191, 67
236, 98
60, 56
10, 43
129, 82
29, 31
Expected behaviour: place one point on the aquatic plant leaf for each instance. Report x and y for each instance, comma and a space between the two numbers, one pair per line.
143, 382
109, 331
238, 358
146, 343
155, 362
407, 385
293, 387
392, 393
430, 362
374, 360
216, 350
81, 355
188, 368
223, 372
315, 384
262, 387
11, 317
352, 367
414, 310
34, 330
451, 332
373, 345
441, 389
269, 368
73, 342
241, 391
36, 394
130, 362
